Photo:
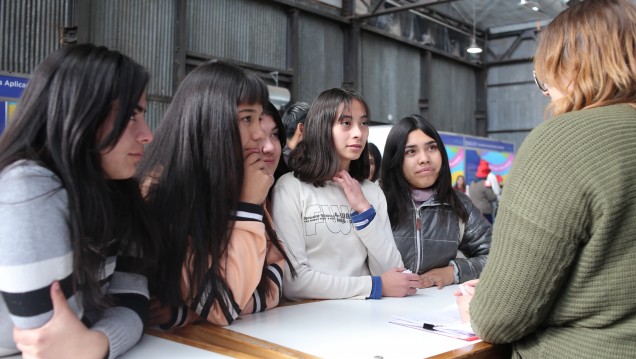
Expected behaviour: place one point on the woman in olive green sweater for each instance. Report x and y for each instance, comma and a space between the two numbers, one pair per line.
559, 282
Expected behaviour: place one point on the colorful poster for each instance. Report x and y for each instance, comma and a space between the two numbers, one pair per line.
465, 152
3, 116
11, 88
456, 154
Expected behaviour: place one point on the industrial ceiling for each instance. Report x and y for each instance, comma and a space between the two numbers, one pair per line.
490, 16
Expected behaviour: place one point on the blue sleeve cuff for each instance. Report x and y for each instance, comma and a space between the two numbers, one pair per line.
361, 220
376, 287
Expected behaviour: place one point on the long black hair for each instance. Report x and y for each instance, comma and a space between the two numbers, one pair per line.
193, 173
396, 188
271, 110
56, 124
315, 159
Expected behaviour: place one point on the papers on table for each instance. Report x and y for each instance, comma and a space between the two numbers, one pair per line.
446, 322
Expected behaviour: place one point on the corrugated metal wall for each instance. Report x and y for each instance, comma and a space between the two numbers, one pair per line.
29, 31
256, 32
452, 99
155, 112
514, 108
390, 78
321, 56
143, 30
249, 31
515, 104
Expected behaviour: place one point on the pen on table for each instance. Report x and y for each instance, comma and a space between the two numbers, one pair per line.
430, 326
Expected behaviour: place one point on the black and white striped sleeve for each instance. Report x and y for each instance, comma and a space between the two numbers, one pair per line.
35, 246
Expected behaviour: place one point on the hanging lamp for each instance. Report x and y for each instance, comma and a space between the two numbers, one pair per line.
474, 48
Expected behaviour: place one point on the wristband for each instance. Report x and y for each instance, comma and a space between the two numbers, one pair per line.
376, 287
362, 220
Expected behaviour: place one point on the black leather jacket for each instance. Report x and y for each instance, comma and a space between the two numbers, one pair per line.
440, 239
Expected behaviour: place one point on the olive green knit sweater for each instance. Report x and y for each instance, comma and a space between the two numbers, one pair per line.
560, 281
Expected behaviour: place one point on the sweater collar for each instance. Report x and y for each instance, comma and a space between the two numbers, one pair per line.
422, 195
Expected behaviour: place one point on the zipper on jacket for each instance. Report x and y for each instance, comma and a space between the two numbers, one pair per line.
418, 243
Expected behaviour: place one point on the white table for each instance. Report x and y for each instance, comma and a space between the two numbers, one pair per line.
157, 348
354, 328
327, 329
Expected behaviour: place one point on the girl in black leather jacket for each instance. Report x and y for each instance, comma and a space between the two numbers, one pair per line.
439, 233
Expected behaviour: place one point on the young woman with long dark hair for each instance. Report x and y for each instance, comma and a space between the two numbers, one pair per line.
332, 219
460, 184
72, 223
431, 222
205, 181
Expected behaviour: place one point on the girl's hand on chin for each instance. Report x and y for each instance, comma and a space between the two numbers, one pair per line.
256, 182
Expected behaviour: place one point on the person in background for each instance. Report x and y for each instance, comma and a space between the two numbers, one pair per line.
493, 182
481, 192
431, 222
495, 185
332, 219
560, 279
375, 162
205, 183
500, 182
275, 136
72, 221
271, 150
294, 120
460, 184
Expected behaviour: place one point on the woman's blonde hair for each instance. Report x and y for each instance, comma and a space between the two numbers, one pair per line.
588, 53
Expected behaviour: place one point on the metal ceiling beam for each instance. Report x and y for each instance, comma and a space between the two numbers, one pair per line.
447, 21
435, 16
312, 8
526, 35
486, 11
516, 32
377, 6
351, 49
421, 3
428, 48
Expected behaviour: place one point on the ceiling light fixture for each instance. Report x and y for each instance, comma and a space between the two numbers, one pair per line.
474, 48
532, 5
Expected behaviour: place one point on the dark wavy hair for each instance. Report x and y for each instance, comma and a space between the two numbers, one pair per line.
194, 175
56, 124
315, 159
395, 186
